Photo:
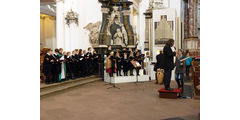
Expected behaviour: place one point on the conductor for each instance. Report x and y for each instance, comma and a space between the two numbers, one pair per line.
168, 66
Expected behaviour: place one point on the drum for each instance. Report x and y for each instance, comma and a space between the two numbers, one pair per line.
160, 76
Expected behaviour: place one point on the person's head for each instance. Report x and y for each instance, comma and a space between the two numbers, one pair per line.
131, 54
68, 53
64, 53
73, 52
76, 51
179, 52
187, 51
49, 51
124, 48
170, 42
125, 55
60, 50
112, 53
138, 53
147, 53
56, 50
94, 52
117, 54
160, 52
80, 51
130, 49
109, 47
89, 49
84, 51
136, 50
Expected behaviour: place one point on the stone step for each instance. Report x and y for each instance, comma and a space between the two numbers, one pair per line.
46, 90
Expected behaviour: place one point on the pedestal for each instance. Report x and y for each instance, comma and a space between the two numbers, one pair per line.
126, 79
169, 94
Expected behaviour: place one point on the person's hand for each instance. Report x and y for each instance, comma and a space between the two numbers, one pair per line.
52, 61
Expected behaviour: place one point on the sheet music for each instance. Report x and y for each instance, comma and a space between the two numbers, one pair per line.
184, 59
138, 64
62, 58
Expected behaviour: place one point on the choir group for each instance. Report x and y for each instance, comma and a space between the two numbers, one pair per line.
126, 60
60, 66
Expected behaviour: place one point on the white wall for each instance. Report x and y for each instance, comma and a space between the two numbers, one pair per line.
75, 37
143, 6
176, 4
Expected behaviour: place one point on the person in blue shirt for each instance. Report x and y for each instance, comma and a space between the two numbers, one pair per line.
188, 63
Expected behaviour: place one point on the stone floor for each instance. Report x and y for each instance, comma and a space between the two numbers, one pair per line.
132, 102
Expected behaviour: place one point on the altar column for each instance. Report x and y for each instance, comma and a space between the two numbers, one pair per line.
60, 24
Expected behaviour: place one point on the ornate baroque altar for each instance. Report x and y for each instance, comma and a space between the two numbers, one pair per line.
116, 29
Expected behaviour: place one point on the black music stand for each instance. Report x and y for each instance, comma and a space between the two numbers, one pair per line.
137, 76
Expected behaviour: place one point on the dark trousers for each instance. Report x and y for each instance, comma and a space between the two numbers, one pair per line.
125, 70
187, 70
137, 71
48, 78
167, 78
55, 78
125, 73
119, 72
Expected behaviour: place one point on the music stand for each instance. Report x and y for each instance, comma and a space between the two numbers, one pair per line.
113, 85
110, 81
137, 67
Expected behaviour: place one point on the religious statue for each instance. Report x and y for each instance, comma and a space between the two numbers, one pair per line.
115, 16
151, 4
118, 38
93, 28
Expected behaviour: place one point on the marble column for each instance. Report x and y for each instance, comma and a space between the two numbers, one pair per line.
60, 24
186, 17
103, 38
192, 19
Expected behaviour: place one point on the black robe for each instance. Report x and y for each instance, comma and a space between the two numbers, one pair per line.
69, 62
57, 64
47, 65
159, 63
125, 64
168, 57
119, 63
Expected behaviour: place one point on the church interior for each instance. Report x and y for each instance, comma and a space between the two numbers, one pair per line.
120, 59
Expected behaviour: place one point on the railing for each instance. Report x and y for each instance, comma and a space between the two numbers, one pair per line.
196, 77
